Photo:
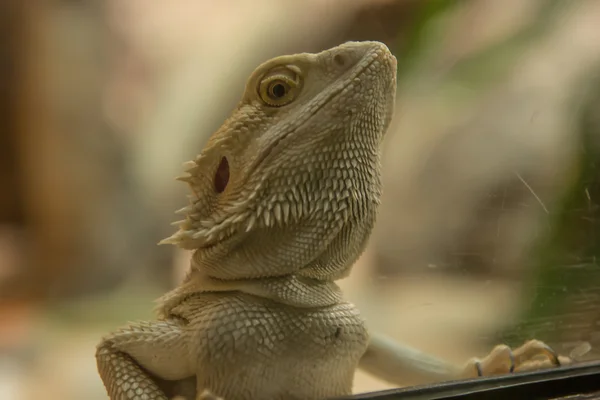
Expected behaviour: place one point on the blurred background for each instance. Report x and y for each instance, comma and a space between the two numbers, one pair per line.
489, 230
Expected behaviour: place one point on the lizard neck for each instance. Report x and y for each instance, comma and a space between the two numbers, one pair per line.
291, 290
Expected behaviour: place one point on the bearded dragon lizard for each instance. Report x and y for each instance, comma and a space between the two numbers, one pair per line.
284, 197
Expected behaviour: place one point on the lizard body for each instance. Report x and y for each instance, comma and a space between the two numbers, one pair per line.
284, 198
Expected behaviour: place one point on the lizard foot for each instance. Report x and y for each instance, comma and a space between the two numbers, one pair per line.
532, 355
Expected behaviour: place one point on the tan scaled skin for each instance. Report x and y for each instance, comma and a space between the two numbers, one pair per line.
283, 199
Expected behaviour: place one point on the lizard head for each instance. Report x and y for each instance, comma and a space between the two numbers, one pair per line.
290, 184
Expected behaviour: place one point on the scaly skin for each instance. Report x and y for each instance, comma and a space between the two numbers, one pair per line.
284, 197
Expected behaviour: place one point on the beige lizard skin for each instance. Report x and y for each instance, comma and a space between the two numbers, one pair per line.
284, 197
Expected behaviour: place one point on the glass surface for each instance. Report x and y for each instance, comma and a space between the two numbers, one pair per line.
489, 226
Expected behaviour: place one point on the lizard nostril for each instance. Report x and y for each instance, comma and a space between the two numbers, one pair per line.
222, 175
339, 60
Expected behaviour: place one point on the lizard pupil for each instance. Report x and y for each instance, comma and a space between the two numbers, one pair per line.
278, 90
222, 175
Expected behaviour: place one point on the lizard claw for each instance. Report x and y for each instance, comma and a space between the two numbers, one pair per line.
532, 355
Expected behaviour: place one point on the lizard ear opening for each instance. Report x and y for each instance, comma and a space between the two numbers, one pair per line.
222, 175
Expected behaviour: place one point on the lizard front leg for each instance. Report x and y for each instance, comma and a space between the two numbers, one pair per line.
130, 359
401, 364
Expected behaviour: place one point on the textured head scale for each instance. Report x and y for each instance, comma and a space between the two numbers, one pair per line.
290, 183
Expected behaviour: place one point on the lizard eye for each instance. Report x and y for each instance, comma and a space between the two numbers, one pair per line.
279, 88
222, 175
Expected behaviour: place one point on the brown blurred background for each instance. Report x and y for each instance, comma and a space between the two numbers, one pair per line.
489, 229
